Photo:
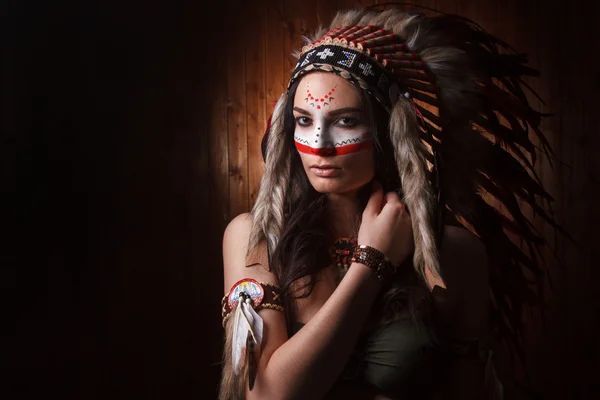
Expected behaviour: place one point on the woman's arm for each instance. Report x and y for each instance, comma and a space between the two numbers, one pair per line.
306, 365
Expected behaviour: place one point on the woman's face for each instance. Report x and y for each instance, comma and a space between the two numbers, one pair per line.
333, 133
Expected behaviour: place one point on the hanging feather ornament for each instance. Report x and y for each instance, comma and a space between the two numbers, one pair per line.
247, 337
247, 329
244, 333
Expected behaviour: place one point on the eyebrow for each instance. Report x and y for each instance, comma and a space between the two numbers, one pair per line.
334, 112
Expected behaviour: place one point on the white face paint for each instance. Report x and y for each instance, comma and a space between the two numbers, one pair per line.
330, 119
332, 133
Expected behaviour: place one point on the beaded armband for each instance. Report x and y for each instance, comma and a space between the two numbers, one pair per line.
374, 259
262, 294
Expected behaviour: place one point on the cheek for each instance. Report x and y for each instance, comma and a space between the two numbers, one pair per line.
362, 163
304, 158
359, 168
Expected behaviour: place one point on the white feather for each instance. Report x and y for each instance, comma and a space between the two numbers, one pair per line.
240, 333
246, 322
257, 324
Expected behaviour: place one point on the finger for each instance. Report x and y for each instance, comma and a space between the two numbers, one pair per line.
394, 209
392, 197
390, 212
374, 205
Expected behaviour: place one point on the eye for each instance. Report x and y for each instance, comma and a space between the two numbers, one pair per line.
347, 122
303, 121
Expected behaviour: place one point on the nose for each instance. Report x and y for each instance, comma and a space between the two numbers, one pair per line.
324, 151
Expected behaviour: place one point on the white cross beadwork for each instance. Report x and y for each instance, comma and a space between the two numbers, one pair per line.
366, 69
325, 53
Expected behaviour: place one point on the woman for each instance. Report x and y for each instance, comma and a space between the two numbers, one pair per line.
342, 255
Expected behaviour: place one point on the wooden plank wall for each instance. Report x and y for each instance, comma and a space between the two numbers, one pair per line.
557, 35
138, 128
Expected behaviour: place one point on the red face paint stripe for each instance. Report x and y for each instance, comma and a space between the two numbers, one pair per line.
302, 148
339, 151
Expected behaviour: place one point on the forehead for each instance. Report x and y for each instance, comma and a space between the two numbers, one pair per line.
321, 83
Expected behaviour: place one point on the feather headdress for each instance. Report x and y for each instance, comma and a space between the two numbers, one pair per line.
459, 124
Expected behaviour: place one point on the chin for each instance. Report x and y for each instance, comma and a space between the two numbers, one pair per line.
333, 185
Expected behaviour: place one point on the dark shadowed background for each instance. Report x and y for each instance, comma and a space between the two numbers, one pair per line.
131, 136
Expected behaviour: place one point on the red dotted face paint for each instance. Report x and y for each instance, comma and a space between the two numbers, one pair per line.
319, 101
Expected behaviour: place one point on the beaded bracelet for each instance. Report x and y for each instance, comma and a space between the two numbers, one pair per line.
374, 259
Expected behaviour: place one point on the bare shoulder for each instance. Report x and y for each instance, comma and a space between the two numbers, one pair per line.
463, 261
235, 246
461, 240
237, 232
237, 267
462, 253
463, 257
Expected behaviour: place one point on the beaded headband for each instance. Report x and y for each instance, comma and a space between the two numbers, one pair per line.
371, 58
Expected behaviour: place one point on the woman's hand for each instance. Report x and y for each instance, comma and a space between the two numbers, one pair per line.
387, 226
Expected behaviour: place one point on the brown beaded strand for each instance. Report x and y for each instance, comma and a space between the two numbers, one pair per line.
374, 259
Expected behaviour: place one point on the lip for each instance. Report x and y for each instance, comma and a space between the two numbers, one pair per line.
325, 171
324, 166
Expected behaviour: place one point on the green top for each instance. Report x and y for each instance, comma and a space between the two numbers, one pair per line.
395, 359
